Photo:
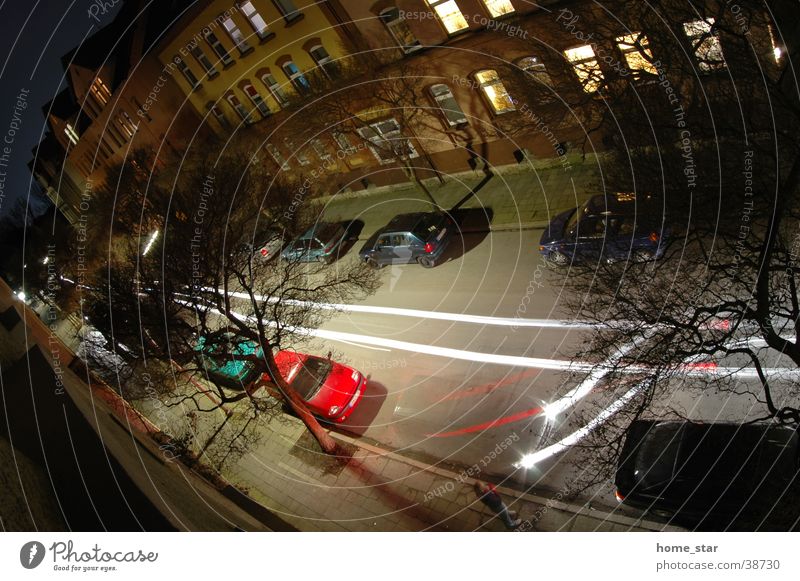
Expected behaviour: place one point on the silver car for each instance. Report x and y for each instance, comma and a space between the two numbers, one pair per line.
321, 242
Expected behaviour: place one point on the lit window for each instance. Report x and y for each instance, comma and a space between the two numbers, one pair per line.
705, 44
319, 149
234, 102
637, 53
255, 19
275, 89
298, 79
301, 157
236, 35
201, 57
126, 123
72, 135
288, 9
495, 92
257, 100
448, 105
218, 49
584, 63
187, 72
399, 30
278, 157
101, 91
386, 141
535, 69
498, 7
324, 61
449, 14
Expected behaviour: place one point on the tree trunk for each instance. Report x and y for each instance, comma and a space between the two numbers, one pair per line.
297, 404
412, 175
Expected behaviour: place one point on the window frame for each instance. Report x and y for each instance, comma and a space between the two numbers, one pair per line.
705, 41
326, 63
636, 43
201, 57
302, 88
253, 18
434, 5
487, 4
219, 49
257, 99
233, 31
275, 89
439, 99
484, 85
375, 142
393, 20
290, 13
239, 107
589, 64
277, 156
187, 73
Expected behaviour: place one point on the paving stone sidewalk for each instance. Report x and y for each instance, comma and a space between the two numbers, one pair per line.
372, 489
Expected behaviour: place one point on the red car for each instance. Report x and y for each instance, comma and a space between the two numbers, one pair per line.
331, 390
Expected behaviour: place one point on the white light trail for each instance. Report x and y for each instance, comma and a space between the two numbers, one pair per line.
435, 315
530, 460
150, 243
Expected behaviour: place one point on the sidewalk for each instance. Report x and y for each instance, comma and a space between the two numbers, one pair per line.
516, 197
377, 490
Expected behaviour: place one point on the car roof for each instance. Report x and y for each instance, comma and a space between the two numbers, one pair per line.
616, 203
403, 222
321, 230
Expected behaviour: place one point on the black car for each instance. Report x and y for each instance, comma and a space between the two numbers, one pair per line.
614, 227
710, 474
419, 237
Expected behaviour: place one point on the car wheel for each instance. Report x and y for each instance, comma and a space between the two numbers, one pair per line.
557, 258
325, 259
372, 263
426, 261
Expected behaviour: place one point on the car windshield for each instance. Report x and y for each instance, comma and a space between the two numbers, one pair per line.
324, 232
428, 226
576, 215
313, 373
655, 462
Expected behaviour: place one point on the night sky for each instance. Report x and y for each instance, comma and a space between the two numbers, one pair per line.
35, 34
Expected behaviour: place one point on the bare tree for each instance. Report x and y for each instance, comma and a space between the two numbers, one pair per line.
195, 275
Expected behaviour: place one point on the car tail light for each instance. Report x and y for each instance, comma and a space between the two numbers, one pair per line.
428, 248
264, 252
618, 496
653, 236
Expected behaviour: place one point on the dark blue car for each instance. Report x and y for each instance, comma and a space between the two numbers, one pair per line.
611, 228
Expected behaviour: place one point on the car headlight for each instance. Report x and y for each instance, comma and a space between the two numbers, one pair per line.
334, 410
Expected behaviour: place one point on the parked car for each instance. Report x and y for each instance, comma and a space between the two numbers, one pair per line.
267, 245
224, 360
612, 228
420, 237
321, 242
331, 390
694, 472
